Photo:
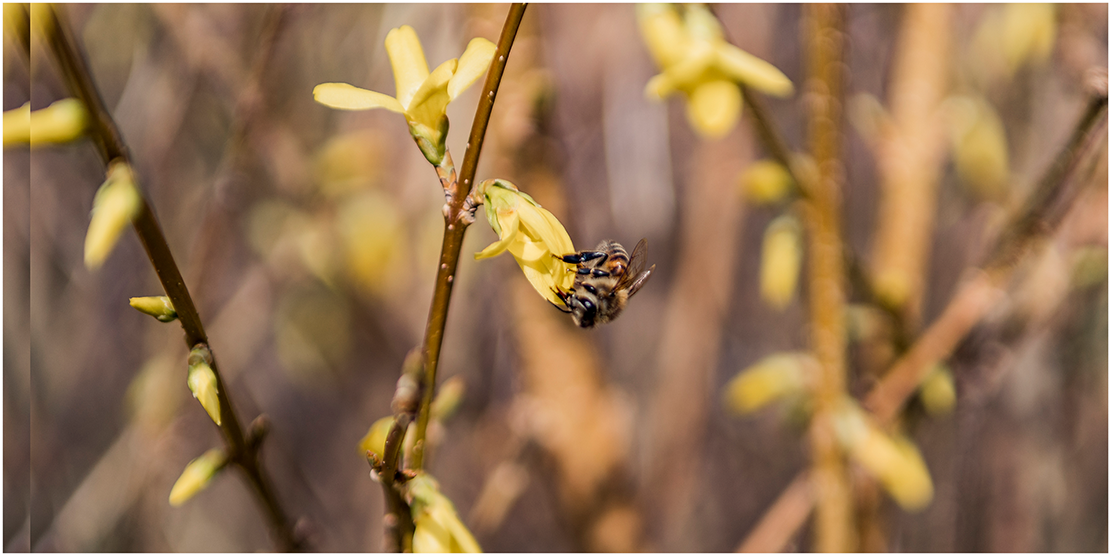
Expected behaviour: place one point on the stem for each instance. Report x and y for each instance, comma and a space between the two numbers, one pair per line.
456, 220
109, 142
834, 531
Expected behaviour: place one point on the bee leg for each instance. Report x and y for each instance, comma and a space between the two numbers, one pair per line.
576, 258
563, 296
597, 272
583, 271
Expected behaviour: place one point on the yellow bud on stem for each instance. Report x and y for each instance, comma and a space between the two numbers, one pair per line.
159, 307
115, 204
202, 381
197, 475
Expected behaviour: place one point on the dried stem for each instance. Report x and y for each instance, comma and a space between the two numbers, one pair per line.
1040, 216
834, 530
458, 214
242, 451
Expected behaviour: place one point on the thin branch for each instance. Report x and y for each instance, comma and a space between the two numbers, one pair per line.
1040, 216
243, 452
458, 214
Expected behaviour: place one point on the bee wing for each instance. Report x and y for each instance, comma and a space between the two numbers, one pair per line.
640, 280
635, 275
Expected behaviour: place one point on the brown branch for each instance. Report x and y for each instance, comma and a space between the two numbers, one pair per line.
458, 214
782, 519
822, 209
1040, 216
109, 142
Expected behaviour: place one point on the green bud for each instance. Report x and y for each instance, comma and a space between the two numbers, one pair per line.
202, 381
197, 475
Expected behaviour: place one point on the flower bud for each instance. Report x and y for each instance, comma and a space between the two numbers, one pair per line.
437, 526
448, 398
781, 259
894, 461
61, 122
115, 204
202, 381
766, 182
17, 124
375, 439
773, 378
938, 394
197, 475
158, 307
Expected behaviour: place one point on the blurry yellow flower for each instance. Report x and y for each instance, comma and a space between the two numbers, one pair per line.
1010, 36
979, 145
158, 307
780, 261
17, 123
696, 60
197, 475
438, 528
531, 234
894, 461
61, 122
421, 96
773, 378
202, 381
766, 182
938, 393
115, 204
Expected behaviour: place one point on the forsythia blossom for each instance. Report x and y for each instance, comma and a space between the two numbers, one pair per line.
696, 60
531, 234
422, 96
437, 526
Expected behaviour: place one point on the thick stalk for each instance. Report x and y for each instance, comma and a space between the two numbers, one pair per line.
109, 141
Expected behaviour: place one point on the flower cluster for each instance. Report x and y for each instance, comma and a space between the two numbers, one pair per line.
696, 61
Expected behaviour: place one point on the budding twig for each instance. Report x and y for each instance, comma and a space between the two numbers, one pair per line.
109, 142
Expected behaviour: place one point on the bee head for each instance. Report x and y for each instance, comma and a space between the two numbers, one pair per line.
583, 311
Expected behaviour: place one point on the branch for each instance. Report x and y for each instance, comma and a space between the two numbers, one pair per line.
1040, 216
242, 451
458, 214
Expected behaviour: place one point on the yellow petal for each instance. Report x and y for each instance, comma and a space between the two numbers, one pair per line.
410, 69
348, 97
17, 123
115, 204
659, 87
546, 275
202, 382
713, 107
472, 64
694, 69
61, 122
509, 226
429, 536
938, 393
663, 33
430, 101
898, 465
701, 25
780, 261
461, 538
752, 71
196, 476
544, 226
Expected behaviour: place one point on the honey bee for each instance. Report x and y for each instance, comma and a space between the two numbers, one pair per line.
605, 279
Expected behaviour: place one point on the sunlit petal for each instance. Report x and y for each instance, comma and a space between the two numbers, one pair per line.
430, 101
509, 226
407, 59
663, 32
472, 64
348, 97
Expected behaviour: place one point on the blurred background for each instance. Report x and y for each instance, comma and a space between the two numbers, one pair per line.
309, 239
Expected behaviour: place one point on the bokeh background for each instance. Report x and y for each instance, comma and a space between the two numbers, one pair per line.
309, 239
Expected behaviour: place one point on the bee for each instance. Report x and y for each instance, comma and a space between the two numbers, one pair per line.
605, 279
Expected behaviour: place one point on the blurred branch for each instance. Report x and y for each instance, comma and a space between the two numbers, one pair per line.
822, 211
1039, 217
783, 519
241, 450
458, 214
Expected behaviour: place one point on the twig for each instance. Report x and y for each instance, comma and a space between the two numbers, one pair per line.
834, 530
458, 214
243, 452
783, 518
1040, 216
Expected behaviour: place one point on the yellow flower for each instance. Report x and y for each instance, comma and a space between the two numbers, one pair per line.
531, 234
437, 526
893, 460
773, 378
197, 475
422, 96
696, 60
780, 261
